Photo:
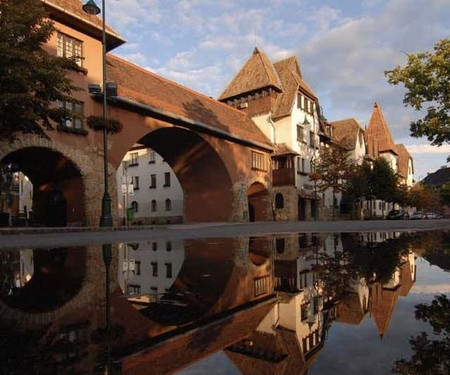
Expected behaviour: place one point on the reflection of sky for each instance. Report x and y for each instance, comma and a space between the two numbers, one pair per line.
353, 349
217, 364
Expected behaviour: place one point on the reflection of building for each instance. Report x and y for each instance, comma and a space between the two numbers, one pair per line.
148, 269
147, 185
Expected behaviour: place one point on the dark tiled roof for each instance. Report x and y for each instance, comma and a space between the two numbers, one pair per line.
257, 73
346, 132
283, 149
379, 138
148, 88
402, 160
438, 178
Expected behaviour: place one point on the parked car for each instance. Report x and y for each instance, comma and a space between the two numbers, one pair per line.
397, 215
417, 216
431, 215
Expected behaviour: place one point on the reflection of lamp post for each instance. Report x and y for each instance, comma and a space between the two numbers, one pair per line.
107, 257
105, 219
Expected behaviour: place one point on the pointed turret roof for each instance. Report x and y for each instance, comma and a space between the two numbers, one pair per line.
379, 138
383, 302
257, 73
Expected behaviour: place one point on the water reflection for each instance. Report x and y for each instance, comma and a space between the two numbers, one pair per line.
268, 302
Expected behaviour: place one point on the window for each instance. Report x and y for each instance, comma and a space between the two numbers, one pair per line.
151, 157
135, 206
261, 285
258, 161
134, 289
154, 208
169, 270
312, 139
168, 205
282, 162
153, 181
70, 48
279, 245
303, 279
301, 165
169, 245
134, 159
304, 311
136, 183
166, 179
154, 268
137, 266
75, 113
279, 201
154, 246
299, 100
300, 136
305, 104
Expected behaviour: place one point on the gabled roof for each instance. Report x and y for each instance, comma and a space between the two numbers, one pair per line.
346, 132
257, 73
283, 149
438, 178
378, 134
402, 160
150, 89
70, 12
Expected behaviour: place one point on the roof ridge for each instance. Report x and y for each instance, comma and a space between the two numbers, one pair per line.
162, 78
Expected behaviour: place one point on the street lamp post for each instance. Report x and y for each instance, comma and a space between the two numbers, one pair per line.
106, 218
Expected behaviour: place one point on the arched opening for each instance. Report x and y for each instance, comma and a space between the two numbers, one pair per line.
279, 201
56, 187
41, 280
257, 196
172, 156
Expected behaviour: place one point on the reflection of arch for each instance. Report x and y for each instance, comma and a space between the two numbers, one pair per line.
58, 188
279, 201
135, 206
57, 277
200, 170
168, 205
154, 206
257, 195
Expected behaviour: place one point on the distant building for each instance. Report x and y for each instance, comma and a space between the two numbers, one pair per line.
148, 188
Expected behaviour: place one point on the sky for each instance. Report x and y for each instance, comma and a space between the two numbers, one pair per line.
344, 47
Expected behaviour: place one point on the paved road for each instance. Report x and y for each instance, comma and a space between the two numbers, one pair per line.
54, 237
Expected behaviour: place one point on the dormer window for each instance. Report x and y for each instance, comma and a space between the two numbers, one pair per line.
70, 48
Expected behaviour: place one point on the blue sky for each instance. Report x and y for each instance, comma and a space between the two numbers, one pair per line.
343, 47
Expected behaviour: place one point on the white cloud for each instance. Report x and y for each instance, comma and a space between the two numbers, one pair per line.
428, 149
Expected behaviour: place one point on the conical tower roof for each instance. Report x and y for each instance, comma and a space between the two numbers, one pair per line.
257, 73
379, 138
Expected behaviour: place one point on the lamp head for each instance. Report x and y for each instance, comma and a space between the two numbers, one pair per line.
91, 8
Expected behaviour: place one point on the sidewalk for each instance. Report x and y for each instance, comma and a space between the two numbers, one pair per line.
20, 238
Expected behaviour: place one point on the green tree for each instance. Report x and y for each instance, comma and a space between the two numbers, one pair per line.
383, 180
420, 196
426, 78
334, 168
32, 81
445, 194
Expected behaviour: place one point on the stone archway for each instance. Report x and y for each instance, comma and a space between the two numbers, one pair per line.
204, 178
63, 175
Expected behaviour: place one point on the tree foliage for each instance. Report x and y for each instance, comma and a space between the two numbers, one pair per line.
445, 194
31, 80
420, 196
430, 355
426, 78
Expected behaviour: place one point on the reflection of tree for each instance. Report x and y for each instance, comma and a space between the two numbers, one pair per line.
431, 356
